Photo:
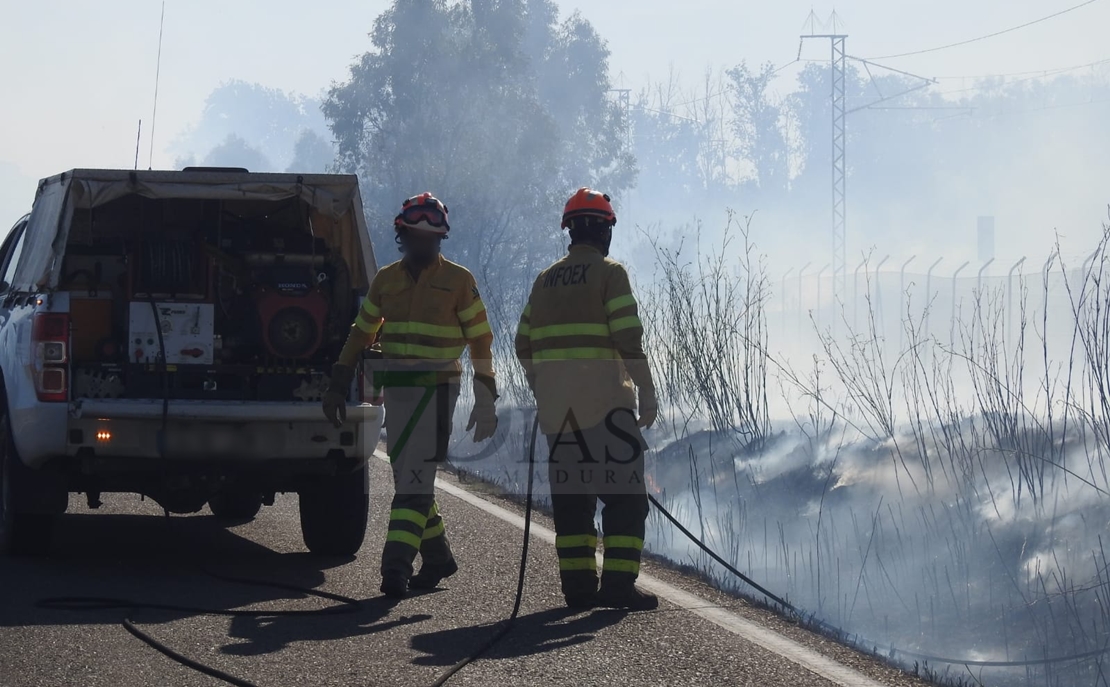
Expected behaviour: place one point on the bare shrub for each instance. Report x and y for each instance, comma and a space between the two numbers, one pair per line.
709, 341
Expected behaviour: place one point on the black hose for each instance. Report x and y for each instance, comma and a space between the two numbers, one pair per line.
93, 603
183, 659
165, 380
508, 623
786, 605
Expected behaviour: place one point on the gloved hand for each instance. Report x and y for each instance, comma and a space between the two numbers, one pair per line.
335, 399
649, 407
483, 419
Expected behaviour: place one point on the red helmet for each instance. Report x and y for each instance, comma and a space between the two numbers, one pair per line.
424, 212
588, 203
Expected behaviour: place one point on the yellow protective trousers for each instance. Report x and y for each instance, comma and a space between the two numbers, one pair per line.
418, 427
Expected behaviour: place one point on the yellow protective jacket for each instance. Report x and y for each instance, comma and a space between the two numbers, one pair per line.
426, 323
580, 341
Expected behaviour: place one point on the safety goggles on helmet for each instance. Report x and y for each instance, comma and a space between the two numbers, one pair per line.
424, 214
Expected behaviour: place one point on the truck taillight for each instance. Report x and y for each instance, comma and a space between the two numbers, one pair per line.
50, 356
53, 351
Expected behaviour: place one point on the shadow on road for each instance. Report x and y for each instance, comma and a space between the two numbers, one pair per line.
151, 559
535, 633
265, 635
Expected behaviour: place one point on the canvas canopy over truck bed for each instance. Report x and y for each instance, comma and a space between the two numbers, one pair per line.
248, 281
331, 197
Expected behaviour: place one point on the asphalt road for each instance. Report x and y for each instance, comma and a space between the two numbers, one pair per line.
128, 549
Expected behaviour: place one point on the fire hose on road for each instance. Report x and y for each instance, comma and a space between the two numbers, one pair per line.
346, 605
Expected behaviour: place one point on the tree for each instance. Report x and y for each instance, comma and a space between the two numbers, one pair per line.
758, 127
267, 119
668, 144
810, 107
683, 152
495, 106
311, 154
235, 152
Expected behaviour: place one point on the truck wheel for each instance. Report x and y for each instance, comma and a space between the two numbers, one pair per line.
334, 513
235, 506
21, 534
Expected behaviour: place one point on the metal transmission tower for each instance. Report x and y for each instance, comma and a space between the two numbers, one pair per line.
839, 147
623, 98
839, 168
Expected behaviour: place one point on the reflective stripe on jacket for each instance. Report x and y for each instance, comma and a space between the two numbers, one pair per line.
429, 320
580, 341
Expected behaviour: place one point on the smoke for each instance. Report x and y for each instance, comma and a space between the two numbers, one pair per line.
914, 459
944, 493
965, 567
919, 174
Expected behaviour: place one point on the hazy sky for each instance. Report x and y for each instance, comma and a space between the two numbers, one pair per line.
77, 76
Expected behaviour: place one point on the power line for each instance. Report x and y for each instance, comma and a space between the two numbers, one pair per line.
788, 64
641, 108
1033, 110
724, 91
889, 69
1035, 72
702, 99
991, 35
1037, 76
1031, 75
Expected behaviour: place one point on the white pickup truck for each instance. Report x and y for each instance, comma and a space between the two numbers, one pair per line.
171, 333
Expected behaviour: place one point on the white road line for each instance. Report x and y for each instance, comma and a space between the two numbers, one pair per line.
756, 634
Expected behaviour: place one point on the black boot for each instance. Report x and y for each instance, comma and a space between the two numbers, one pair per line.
581, 600
431, 575
579, 588
626, 596
395, 586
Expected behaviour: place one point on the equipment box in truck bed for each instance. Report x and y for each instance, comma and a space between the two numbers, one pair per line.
171, 334
187, 333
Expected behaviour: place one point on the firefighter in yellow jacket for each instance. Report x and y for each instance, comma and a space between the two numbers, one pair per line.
580, 341
426, 310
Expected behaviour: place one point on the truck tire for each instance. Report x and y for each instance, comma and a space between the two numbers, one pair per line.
334, 512
235, 505
21, 533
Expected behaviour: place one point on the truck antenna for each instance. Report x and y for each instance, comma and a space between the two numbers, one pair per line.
157, 75
138, 137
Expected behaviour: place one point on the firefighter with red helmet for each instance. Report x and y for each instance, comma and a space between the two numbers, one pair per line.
580, 341
425, 311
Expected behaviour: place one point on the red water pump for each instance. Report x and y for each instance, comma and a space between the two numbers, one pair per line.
292, 323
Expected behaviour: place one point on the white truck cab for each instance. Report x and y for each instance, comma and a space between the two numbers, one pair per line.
171, 334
